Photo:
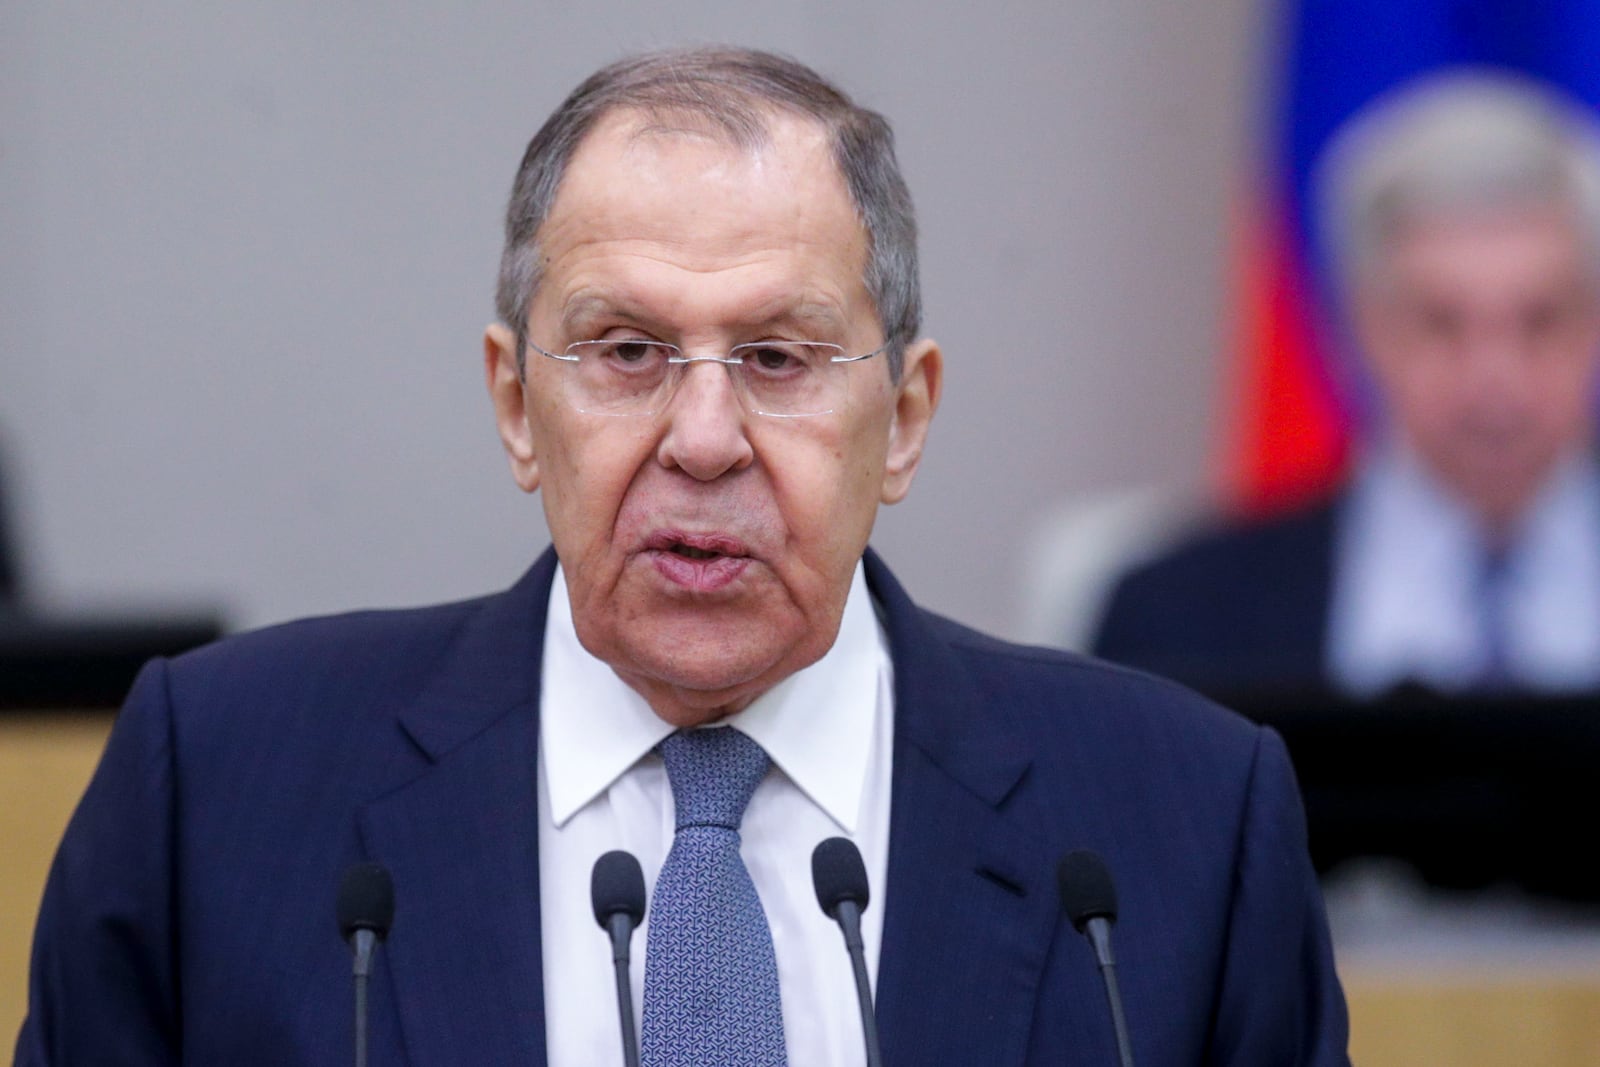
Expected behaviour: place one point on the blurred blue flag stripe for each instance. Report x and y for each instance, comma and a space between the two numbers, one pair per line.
1342, 53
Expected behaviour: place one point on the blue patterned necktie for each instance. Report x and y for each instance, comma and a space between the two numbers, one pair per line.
1494, 618
710, 977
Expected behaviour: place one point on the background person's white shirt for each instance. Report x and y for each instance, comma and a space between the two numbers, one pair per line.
1408, 562
828, 730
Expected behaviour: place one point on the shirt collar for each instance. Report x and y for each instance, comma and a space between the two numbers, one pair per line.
817, 725
1397, 490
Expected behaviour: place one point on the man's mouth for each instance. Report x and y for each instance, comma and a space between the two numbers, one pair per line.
704, 562
696, 546
691, 552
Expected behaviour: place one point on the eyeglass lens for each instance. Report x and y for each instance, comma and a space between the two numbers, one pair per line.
635, 377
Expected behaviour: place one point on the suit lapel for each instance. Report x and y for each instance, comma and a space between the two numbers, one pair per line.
461, 839
971, 907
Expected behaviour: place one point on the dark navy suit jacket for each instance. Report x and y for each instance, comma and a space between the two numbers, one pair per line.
1240, 608
189, 916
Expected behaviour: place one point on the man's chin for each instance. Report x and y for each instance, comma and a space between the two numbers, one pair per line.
701, 664
1499, 496
688, 690
694, 700
707, 682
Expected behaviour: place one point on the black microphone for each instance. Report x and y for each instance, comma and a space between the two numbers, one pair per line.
366, 911
841, 882
616, 888
1090, 901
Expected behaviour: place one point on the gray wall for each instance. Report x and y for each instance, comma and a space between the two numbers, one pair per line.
247, 249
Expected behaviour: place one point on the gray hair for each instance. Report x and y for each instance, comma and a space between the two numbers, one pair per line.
1470, 141
734, 90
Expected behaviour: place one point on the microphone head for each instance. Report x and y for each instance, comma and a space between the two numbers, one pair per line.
839, 875
1086, 889
366, 900
616, 887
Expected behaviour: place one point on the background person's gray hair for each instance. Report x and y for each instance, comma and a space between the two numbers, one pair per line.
1466, 141
733, 90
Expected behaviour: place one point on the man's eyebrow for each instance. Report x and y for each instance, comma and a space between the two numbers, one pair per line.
819, 316
586, 305
814, 315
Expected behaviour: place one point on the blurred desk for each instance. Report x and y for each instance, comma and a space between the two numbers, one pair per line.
1470, 979
60, 678
1490, 798
1473, 1017
45, 762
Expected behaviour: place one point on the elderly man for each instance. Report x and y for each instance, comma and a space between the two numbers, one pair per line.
708, 366
1464, 218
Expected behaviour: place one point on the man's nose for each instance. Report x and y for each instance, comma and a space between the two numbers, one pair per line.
1496, 362
705, 435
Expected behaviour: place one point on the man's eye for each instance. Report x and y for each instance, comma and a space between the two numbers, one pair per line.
633, 351
784, 359
771, 357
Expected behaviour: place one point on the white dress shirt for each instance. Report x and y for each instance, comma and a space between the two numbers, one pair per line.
828, 730
1408, 564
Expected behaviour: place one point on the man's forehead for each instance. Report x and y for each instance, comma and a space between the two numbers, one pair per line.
651, 205
638, 171
648, 137
1536, 239
745, 127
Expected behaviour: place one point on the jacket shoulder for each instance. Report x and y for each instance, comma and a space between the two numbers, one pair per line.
1240, 604
330, 684
304, 652
1070, 697
1220, 555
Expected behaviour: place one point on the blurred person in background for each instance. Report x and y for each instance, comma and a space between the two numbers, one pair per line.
1464, 553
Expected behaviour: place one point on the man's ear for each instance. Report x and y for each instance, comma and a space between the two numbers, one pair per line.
511, 414
921, 378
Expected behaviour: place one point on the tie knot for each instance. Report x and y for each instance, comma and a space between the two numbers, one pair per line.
1495, 565
713, 774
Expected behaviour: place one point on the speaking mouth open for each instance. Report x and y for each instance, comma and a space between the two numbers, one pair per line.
703, 562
